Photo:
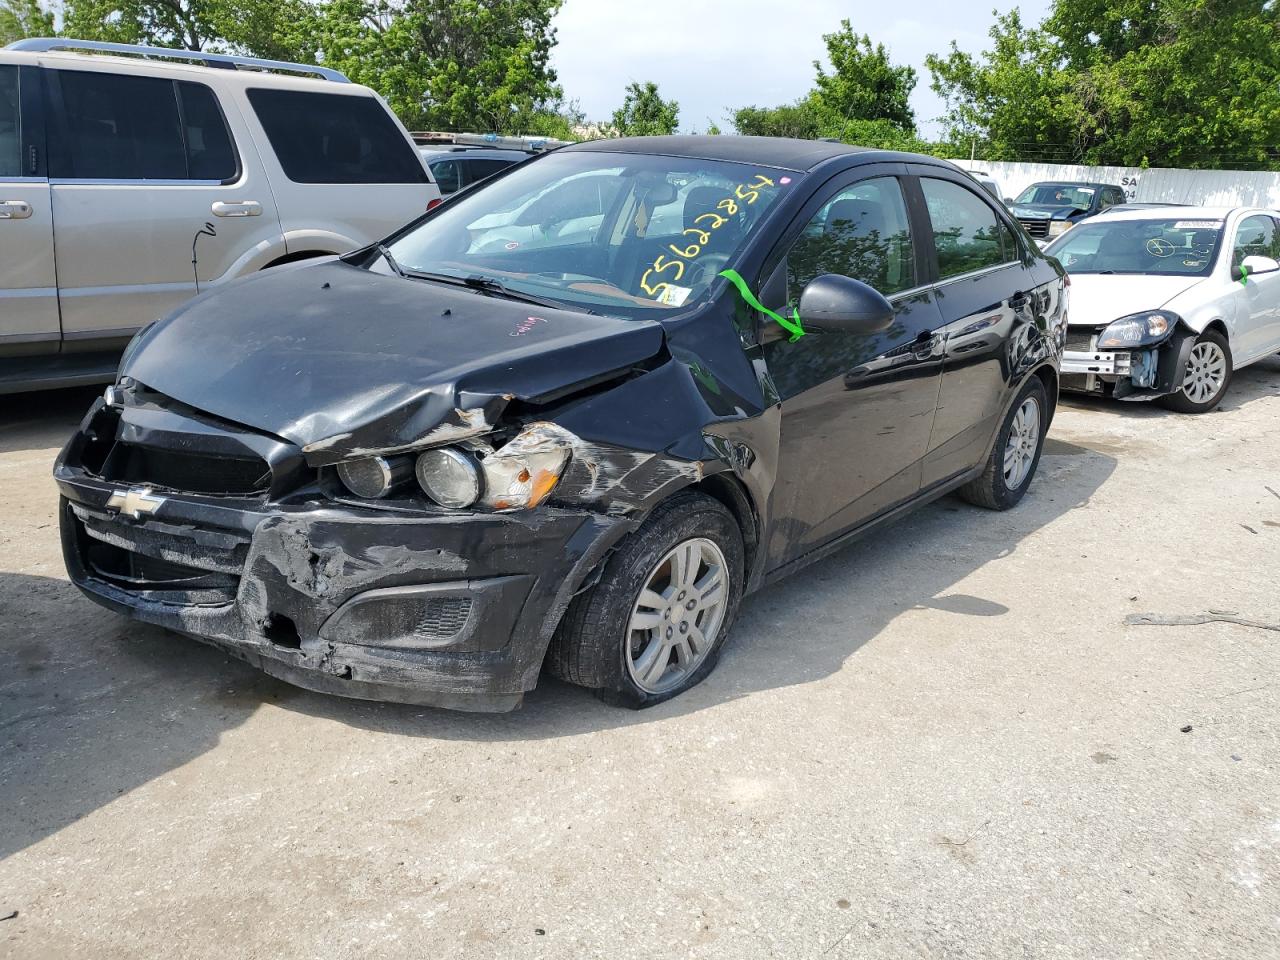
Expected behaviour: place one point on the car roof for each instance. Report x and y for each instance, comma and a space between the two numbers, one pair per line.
480, 153
798, 155
149, 67
1072, 183
1120, 212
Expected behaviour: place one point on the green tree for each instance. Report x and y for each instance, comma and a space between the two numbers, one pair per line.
265, 28
645, 114
863, 84
1191, 83
24, 18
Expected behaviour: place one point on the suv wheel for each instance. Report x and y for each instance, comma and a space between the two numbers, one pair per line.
1016, 453
655, 623
1206, 378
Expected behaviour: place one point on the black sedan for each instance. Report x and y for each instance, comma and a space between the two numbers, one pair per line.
430, 469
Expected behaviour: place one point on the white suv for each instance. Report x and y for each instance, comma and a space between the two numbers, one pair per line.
131, 181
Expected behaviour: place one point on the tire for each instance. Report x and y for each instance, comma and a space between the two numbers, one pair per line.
594, 646
1206, 377
1004, 480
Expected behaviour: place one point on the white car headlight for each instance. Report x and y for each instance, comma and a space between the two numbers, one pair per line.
1058, 227
1137, 330
374, 477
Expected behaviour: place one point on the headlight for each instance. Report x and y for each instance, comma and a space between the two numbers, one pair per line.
527, 469
1058, 227
1138, 330
374, 477
449, 477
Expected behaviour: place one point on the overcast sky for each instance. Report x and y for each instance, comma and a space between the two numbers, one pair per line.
715, 55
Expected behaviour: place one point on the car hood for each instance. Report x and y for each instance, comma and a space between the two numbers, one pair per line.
1045, 211
344, 362
1100, 298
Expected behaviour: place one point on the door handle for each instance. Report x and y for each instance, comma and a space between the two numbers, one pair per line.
237, 208
14, 209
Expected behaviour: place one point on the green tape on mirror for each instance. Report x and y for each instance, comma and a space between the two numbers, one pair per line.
792, 325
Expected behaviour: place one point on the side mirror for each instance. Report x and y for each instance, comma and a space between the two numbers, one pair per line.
1254, 265
1009, 200
844, 305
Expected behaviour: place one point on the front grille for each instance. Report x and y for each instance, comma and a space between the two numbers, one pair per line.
170, 562
1079, 340
1036, 226
442, 618
189, 472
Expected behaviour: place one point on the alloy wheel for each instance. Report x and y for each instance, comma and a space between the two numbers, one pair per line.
1206, 372
678, 615
1024, 440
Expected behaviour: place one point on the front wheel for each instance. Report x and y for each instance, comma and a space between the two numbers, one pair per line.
1016, 453
1206, 378
654, 624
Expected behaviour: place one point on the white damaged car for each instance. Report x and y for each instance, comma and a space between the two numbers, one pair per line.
1167, 302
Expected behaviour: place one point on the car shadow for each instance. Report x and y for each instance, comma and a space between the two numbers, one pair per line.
94, 705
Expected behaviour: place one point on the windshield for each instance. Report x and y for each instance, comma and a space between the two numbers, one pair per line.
1162, 247
622, 234
1058, 195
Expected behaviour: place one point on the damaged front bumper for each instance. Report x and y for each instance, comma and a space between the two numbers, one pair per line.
1131, 374
445, 608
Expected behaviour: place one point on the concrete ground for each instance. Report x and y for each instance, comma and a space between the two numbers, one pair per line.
944, 742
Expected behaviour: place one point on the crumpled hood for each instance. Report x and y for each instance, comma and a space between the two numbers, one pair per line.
1100, 298
342, 361
1045, 211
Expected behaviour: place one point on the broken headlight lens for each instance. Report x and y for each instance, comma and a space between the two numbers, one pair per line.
525, 471
449, 477
374, 477
1137, 330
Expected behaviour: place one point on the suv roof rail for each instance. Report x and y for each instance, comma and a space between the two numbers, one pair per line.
527, 143
225, 61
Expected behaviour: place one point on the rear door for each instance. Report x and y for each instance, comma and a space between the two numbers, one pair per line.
146, 177
28, 283
1258, 298
986, 294
856, 410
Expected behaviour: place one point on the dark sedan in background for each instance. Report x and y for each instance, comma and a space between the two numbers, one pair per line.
427, 470
1048, 210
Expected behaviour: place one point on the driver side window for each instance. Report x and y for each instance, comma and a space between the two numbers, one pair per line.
1256, 237
861, 232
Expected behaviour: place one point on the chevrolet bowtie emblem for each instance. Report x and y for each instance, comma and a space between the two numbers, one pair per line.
135, 501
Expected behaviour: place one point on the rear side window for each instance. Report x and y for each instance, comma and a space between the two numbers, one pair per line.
448, 174
332, 138
479, 169
10, 124
121, 127
966, 232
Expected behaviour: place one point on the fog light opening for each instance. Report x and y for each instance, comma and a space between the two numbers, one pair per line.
281, 631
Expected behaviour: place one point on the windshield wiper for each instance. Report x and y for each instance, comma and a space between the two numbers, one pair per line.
494, 286
391, 261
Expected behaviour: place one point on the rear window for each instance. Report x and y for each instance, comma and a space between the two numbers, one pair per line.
333, 138
123, 127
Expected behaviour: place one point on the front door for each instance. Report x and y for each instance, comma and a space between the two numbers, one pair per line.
138, 166
856, 410
1258, 298
28, 284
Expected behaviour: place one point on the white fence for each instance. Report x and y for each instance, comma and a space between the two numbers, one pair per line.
1224, 188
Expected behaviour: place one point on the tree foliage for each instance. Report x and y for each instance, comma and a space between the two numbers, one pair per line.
645, 114
863, 99
24, 18
1188, 83
863, 84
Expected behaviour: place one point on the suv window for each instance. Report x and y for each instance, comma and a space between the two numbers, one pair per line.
10, 124
1256, 237
448, 174
335, 138
862, 232
966, 231
122, 127
481, 168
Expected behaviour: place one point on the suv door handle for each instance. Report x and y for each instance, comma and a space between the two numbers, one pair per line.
14, 209
237, 208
